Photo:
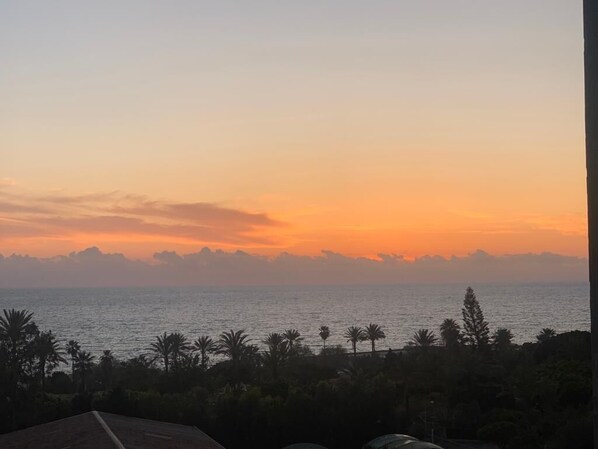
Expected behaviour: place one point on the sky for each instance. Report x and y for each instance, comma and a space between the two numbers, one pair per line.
402, 127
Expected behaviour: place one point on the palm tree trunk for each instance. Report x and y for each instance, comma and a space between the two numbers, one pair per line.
373, 346
406, 400
73, 374
43, 379
591, 98
354, 349
236, 373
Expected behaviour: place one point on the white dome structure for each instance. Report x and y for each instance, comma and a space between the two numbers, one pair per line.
397, 440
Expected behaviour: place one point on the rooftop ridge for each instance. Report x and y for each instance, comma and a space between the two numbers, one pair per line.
111, 434
208, 436
187, 426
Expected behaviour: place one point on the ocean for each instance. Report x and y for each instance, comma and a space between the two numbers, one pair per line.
126, 320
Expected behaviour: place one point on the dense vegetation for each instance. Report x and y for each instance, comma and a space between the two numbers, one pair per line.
464, 382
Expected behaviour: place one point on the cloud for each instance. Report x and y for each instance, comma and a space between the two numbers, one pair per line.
91, 267
60, 216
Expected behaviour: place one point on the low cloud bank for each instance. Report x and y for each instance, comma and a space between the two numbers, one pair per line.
92, 268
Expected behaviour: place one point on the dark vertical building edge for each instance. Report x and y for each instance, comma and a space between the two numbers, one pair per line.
590, 10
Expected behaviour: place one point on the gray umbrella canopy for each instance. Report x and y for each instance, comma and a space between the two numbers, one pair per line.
390, 441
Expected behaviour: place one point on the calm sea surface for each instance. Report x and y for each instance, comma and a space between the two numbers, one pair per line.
126, 320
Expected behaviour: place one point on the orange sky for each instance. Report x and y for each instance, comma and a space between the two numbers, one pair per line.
397, 128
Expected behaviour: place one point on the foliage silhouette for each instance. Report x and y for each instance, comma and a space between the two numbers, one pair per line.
48, 353
374, 333
106, 365
278, 350
14, 327
179, 346
324, 334
292, 336
502, 338
530, 396
423, 338
72, 349
233, 344
206, 346
545, 335
474, 325
450, 333
162, 348
354, 335
83, 364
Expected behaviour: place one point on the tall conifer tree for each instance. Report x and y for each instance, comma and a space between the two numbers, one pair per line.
474, 325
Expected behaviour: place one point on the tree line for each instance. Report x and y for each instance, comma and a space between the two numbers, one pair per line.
464, 382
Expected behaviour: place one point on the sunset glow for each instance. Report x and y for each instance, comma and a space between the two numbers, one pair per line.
286, 129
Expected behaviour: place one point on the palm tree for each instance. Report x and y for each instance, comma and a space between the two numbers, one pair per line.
545, 335
450, 333
15, 328
250, 353
278, 351
106, 365
162, 348
205, 345
14, 323
502, 338
423, 338
48, 353
72, 349
292, 336
179, 345
374, 332
17, 333
233, 344
189, 361
354, 335
273, 340
324, 334
83, 364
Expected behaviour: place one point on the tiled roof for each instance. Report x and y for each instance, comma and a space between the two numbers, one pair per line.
99, 430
